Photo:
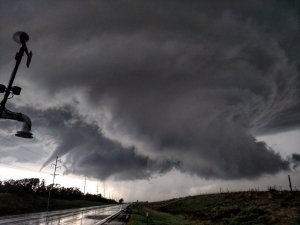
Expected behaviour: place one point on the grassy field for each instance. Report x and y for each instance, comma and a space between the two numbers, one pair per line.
15, 204
138, 217
272, 207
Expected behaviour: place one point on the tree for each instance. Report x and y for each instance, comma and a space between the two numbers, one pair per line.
121, 200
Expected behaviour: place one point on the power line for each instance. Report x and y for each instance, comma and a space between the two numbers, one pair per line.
21, 168
7, 141
16, 152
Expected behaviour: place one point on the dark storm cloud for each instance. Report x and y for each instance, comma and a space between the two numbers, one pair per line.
288, 119
193, 82
89, 152
295, 159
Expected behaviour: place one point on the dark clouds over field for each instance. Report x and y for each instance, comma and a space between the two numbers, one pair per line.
130, 89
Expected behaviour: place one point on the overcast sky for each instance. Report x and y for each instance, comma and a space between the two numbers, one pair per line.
151, 96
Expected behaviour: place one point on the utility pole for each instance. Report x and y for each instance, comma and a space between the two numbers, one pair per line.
84, 184
104, 189
54, 175
97, 188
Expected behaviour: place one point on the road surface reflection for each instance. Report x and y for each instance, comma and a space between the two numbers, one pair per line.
83, 216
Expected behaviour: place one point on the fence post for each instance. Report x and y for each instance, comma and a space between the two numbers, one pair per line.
147, 215
290, 182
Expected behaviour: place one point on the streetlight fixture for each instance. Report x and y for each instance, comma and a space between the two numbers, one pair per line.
21, 38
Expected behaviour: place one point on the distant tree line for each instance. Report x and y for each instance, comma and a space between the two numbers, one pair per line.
37, 187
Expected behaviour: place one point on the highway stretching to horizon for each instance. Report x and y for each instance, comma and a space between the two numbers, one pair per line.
95, 215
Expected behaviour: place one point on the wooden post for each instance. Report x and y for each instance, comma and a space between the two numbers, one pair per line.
290, 182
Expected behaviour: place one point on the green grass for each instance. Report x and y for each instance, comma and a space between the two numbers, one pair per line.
277, 207
138, 217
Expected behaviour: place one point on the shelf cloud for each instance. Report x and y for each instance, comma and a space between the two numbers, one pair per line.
133, 89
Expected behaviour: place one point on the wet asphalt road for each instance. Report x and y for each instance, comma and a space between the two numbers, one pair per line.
83, 216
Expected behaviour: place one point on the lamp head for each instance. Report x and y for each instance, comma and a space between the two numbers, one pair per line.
21, 37
23, 134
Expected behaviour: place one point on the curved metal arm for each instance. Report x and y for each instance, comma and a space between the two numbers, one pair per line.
20, 37
26, 128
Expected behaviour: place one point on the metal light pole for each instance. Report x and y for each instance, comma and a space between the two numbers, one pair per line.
21, 38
